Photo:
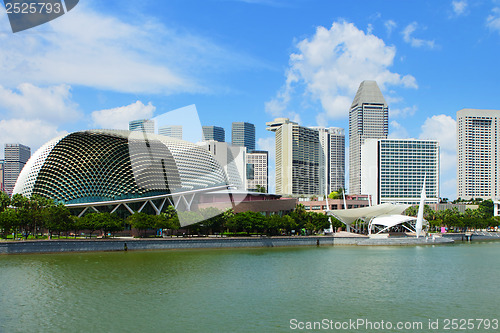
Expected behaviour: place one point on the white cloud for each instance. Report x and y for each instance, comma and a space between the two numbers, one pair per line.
397, 131
390, 25
415, 42
32, 133
493, 20
403, 112
135, 54
51, 104
459, 7
444, 129
331, 64
118, 118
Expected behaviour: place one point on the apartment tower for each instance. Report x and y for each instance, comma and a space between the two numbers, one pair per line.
478, 153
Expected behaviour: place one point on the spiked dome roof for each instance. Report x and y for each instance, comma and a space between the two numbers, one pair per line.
107, 165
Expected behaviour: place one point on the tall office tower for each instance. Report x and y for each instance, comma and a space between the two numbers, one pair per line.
1, 175
337, 158
243, 134
331, 159
478, 153
142, 125
393, 170
232, 159
297, 158
16, 156
368, 119
257, 170
173, 131
324, 153
214, 133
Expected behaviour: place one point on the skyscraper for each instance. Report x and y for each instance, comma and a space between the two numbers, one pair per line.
331, 159
478, 153
16, 156
243, 134
232, 159
142, 125
393, 170
1, 175
337, 158
214, 133
297, 158
173, 131
257, 170
368, 118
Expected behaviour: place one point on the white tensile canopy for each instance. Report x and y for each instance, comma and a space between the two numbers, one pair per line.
385, 222
384, 216
349, 216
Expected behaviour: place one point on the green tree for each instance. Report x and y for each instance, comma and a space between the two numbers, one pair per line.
339, 194
111, 223
142, 221
92, 222
9, 221
4, 201
57, 218
260, 189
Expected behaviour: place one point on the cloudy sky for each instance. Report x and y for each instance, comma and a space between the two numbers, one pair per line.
107, 62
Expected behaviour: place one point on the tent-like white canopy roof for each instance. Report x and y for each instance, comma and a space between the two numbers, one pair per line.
389, 221
393, 220
348, 216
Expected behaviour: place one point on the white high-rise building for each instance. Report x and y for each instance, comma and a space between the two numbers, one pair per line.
393, 170
368, 119
16, 156
297, 158
142, 125
337, 158
332, 158
257, 170
478, 153
173, 131
233, 160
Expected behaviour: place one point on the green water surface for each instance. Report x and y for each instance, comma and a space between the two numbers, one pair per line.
248, 290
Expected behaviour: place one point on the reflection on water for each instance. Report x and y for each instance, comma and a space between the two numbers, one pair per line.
246, 290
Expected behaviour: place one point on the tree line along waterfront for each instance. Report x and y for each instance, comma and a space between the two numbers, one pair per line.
38, 217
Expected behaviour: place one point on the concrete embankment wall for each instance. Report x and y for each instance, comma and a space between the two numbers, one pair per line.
51, 246
473, 236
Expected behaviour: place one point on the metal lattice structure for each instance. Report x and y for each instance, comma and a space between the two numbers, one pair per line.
98, 168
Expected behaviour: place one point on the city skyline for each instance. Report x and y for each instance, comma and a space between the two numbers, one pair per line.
303, 61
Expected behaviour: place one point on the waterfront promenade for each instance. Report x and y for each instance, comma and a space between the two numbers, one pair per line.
130, 244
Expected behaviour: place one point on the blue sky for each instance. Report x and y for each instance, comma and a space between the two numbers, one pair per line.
107, 62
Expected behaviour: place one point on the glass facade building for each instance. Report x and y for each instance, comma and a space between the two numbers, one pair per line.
214, 133
142, 125
393, 170
243, 134
173, 131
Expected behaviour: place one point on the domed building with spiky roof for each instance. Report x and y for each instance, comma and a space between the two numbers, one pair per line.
111, 170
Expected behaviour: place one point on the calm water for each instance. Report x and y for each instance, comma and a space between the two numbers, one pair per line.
247, 290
